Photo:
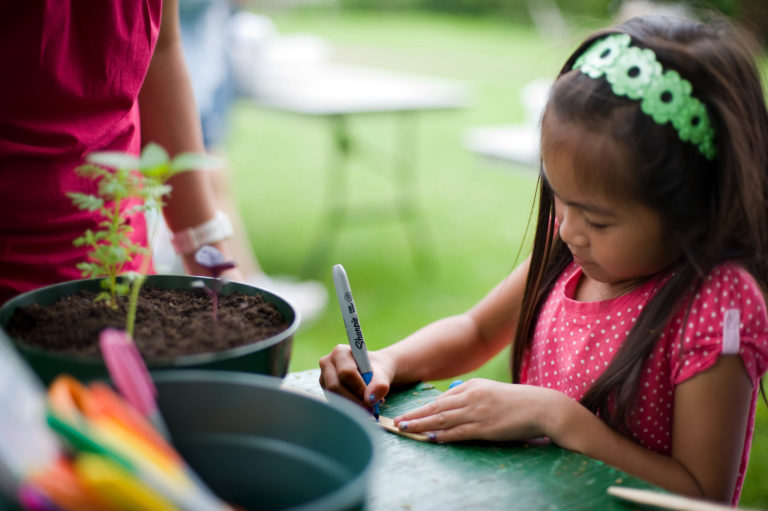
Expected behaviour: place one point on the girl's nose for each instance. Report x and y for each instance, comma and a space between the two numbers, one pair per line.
570, 233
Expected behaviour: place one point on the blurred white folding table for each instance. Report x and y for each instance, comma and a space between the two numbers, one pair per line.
516, 144
338, 92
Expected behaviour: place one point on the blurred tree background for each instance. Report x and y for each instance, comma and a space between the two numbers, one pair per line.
752, 14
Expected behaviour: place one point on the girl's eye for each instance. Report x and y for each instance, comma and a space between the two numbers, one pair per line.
595, 226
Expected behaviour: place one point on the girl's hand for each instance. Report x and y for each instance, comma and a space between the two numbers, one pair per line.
339, 374
485, 410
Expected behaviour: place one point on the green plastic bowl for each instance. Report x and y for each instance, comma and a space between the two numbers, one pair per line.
261, 446
269, 356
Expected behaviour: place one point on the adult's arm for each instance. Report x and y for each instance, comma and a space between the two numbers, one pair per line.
170, 118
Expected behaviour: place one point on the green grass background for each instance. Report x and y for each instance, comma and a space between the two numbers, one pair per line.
476, 211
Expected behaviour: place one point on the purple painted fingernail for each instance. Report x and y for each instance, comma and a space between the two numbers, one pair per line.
432, 436
403, 425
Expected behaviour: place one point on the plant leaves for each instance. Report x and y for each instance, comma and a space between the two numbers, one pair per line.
90, 269
152, 192
115, 255
211, 258
120, 176
154, 161
89, 238
85, 201
103, 296
114, 159
153, 155
195, 161
113, 188
92, 171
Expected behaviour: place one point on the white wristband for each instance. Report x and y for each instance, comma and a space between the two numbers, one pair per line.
214, 230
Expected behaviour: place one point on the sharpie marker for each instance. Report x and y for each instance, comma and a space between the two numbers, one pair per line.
352, 325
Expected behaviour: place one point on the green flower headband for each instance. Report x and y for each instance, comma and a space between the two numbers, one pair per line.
635, 73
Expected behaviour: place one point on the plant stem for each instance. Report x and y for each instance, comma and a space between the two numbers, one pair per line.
112, 268
133, 302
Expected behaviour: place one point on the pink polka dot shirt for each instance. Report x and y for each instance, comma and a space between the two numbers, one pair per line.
575, 341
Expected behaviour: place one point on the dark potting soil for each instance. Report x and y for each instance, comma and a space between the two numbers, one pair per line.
169, 323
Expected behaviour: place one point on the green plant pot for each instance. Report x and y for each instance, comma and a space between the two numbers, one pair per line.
269, 356
260, 446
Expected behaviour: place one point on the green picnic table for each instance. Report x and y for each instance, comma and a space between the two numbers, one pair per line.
412, 475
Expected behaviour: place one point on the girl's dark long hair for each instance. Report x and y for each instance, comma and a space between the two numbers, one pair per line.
715, 211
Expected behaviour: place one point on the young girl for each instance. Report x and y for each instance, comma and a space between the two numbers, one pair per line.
639, 320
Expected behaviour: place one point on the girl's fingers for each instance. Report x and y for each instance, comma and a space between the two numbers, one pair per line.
339, 374
442, 414
449, 400
458, 433
449, 418
376, 390
438, 421
329, 381
417, 413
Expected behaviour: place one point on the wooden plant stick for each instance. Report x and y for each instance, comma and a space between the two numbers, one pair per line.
389, 424
665, 500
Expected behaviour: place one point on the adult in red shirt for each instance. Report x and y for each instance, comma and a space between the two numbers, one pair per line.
81, 77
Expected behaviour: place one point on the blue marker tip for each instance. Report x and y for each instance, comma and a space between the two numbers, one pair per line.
367, 377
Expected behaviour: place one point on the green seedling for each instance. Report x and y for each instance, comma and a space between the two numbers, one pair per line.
123, 176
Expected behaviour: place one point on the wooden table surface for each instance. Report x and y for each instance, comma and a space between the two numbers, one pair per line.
412, 475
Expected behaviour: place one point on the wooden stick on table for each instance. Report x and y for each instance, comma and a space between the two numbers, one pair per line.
389, 424
665, 500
